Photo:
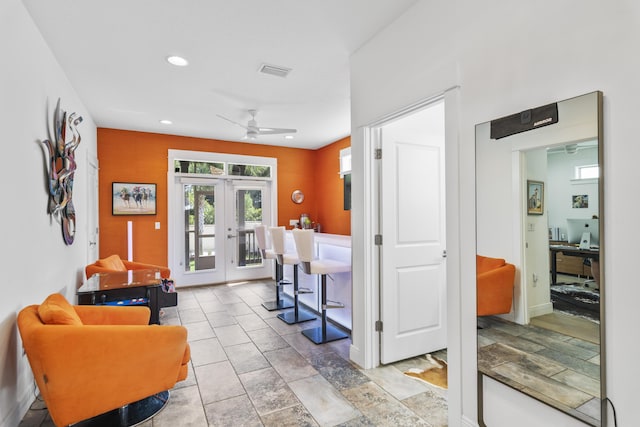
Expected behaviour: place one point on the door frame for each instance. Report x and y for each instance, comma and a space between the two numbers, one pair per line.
367, 350
93, 185
173, 216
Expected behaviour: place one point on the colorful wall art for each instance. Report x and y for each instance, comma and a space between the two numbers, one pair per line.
62, 167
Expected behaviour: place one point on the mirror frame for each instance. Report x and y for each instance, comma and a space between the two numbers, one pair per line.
508, 130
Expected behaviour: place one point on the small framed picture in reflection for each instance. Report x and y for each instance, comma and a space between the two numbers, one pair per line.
580, 201
535, 197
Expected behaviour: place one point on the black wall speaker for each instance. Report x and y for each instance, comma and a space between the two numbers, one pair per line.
524, 121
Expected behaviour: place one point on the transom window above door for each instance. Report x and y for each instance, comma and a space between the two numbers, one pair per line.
222, 168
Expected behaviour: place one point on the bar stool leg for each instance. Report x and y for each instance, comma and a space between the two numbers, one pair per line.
297, 315
326, 332
279, 303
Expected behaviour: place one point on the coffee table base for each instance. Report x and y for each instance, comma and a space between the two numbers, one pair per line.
129, 415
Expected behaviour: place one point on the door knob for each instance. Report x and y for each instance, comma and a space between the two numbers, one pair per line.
230, 236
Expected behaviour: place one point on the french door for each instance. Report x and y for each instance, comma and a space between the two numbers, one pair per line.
214, 239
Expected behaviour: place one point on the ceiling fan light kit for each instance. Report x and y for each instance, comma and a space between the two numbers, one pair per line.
253, 130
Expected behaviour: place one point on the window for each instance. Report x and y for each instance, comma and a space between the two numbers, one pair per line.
345, 161
587, 172
203, 168
221, 168
249, 170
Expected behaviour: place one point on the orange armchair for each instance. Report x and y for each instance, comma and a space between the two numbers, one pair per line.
89, 360
115, 263
495, 278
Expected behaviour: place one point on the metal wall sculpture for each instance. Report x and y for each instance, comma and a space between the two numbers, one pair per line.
62, 167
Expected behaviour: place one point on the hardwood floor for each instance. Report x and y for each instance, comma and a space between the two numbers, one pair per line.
566, 324
560, 369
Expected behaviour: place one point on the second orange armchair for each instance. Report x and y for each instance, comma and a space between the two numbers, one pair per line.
494, 279
115, 263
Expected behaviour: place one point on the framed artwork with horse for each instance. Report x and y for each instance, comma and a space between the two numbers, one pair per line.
133, 198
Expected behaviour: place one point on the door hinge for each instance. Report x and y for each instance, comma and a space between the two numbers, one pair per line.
378, 325
377, 239
377, 154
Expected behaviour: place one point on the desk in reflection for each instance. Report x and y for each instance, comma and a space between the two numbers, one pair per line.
593, 254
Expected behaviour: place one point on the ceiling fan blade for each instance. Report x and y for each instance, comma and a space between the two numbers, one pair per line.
275, 131
231, 121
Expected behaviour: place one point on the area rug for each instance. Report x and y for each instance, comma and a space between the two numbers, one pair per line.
435, 373
576, 300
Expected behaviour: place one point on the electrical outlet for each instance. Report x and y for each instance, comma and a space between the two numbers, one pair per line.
157, 225
293, 222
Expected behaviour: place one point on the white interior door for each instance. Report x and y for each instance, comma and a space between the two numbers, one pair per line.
413, 270
92, 210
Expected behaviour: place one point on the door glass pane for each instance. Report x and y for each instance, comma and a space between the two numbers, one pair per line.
200, 227
248, 214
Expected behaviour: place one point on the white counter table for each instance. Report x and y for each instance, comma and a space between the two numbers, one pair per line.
331, 246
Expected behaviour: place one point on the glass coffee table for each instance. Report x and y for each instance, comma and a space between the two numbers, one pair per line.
132, 287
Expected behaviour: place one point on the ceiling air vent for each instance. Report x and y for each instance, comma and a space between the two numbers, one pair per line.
274, 70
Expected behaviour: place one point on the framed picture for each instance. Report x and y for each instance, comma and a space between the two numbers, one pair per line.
535, 197
580, 201
133, 198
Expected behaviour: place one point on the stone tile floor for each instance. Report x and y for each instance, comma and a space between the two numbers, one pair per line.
249, 368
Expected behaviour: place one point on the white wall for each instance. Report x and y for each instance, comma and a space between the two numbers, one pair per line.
561, 172
507, 56
36, 262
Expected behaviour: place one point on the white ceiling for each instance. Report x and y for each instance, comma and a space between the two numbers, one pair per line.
114, 51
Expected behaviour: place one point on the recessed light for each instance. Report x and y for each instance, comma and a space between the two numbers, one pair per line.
288, 137
166, 122
178, 61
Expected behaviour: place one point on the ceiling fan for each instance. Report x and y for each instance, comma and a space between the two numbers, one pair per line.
253, 130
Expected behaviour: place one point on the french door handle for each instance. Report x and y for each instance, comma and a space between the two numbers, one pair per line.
230, 236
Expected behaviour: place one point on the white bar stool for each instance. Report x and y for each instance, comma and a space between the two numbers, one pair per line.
305, 248
261, 237
282, 258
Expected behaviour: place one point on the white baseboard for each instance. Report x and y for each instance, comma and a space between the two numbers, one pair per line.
18, 410
466, 422
540, 309
356, 356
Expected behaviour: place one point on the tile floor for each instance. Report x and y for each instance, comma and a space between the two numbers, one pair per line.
249, 368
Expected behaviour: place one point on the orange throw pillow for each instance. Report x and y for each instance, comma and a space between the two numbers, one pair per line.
112, 262
56, 310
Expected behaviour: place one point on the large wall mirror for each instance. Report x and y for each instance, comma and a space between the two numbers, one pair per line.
540, 245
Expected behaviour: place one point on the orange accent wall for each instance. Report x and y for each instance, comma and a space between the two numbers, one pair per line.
330, 190
128, 156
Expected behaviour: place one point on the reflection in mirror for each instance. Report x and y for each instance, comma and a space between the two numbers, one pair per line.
539, 251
